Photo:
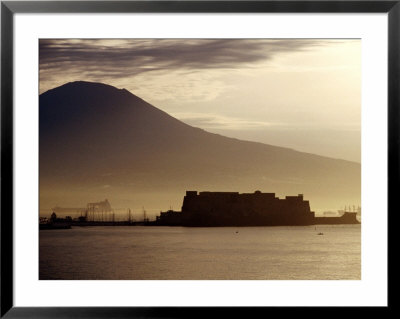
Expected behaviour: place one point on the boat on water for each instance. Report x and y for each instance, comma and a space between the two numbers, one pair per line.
54, 226
346, 218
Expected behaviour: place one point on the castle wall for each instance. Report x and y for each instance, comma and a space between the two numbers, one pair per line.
248, 209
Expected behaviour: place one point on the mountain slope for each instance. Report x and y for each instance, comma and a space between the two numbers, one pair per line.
96, 140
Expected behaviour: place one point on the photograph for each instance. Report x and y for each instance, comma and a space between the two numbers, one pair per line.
199, 158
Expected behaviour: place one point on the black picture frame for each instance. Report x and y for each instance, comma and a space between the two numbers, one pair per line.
9, 8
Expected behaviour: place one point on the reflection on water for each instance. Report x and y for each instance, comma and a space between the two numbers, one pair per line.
201, 253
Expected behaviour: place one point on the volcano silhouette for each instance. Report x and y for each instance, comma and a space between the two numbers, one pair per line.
97, 140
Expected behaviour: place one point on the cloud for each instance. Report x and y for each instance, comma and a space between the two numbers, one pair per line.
215, 121
116, 58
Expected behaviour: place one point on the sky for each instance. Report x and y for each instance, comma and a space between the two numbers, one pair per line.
303, 94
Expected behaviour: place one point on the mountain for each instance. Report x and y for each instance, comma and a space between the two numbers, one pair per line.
97, 141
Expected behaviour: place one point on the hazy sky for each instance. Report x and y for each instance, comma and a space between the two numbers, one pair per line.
299, 93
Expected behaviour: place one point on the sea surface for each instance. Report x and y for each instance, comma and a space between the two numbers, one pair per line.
231, 253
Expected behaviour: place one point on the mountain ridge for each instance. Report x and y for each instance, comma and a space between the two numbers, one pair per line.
99, 85
89, 129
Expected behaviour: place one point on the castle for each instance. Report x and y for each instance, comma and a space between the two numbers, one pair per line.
233, 209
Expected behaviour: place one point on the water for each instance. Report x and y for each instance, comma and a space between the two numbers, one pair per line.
144, 252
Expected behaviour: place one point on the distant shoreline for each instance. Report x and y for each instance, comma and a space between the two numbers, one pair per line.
327, 222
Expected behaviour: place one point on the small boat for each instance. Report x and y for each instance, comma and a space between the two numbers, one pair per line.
320, 233
54, 226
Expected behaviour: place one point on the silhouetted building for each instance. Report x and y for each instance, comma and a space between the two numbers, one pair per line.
169, 218
82, 219
53, 217
234, 209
